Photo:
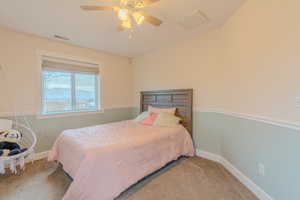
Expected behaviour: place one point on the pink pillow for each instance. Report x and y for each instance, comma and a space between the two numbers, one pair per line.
149, 121
160, 110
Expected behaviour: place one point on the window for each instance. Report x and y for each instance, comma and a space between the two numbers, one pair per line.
69, 88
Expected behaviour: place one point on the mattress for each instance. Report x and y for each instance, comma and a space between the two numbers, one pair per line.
105, 160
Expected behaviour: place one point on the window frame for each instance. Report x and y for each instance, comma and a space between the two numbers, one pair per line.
98, 87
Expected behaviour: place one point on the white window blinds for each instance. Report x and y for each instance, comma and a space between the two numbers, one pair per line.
54, 64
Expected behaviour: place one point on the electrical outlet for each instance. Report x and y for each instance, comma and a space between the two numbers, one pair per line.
261, 169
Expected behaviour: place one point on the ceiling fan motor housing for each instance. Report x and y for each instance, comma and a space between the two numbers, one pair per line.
132, 4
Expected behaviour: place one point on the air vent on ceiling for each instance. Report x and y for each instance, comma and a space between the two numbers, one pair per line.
194, 20
59, 37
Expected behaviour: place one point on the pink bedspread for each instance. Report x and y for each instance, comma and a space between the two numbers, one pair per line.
105, 160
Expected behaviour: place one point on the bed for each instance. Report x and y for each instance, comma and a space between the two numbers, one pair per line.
105, 160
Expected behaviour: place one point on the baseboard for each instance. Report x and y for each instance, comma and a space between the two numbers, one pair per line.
38, 156
208, 155
260, 193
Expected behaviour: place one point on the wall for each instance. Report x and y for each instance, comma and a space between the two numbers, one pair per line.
250, 66
192, 64
20, 80
246, 143
261, 48
20, 84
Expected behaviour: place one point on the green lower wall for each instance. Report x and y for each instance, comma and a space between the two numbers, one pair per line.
245, 143
48, 129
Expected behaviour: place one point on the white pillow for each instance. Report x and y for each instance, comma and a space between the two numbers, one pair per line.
166, 119
160, 110
141, 117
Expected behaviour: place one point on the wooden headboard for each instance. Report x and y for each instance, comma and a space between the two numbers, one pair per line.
181, 99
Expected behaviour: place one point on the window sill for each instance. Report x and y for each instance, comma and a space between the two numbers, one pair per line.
69, 114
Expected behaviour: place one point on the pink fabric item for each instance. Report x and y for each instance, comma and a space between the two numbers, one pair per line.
149, 121
159, 110
105, 160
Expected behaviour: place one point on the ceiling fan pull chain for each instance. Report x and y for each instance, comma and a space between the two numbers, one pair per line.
130, 34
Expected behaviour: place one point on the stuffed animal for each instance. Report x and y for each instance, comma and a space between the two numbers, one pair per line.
9, 143
10, 136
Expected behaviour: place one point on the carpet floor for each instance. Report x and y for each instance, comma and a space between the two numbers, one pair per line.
185, 179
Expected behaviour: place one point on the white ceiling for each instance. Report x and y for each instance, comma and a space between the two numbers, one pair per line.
98, 29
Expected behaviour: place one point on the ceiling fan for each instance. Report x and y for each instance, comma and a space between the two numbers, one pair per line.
129, 12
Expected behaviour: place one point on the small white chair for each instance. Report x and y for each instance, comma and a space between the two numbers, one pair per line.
28, 141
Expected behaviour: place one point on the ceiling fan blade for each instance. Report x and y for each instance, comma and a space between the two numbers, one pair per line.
149, 2
96, 8
152, 20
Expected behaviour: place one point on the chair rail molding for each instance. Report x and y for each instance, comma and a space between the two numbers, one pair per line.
263, 119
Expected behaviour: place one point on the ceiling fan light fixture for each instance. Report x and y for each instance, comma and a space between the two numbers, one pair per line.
139, 19
126, 24
123, 14
128, 12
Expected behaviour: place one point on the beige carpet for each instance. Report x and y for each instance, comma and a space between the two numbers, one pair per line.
186, 179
